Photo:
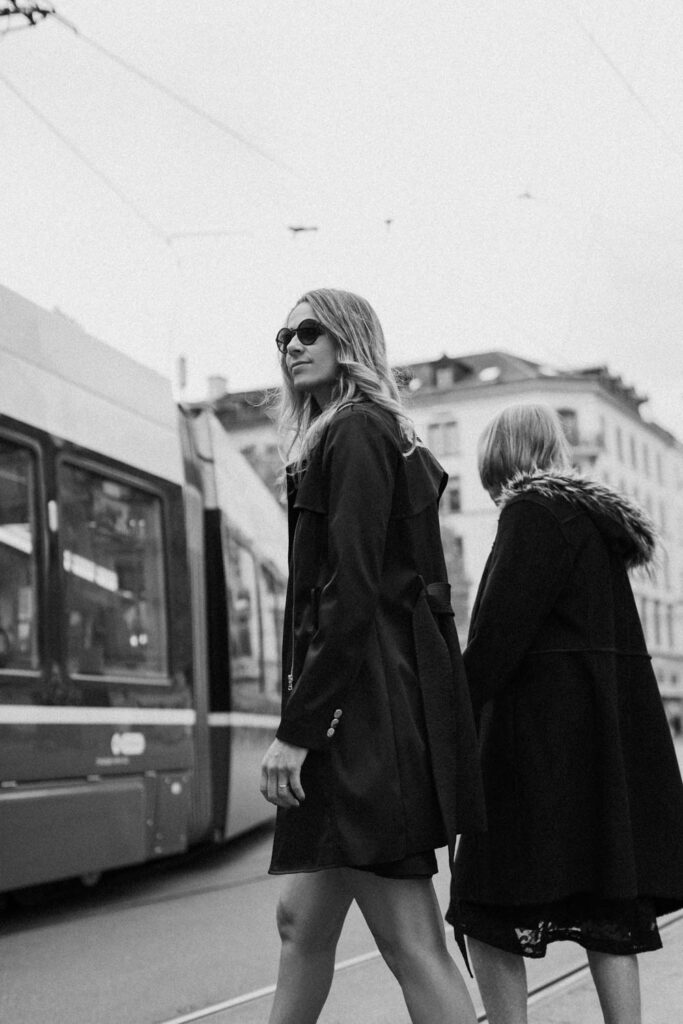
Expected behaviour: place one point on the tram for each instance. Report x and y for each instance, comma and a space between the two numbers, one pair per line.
142, 585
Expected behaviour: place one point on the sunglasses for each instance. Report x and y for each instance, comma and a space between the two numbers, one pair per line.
306, 332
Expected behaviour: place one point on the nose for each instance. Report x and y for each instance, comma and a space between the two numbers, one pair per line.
294, 346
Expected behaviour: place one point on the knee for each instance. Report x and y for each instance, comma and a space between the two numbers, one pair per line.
404, 957
311, 934
287, 920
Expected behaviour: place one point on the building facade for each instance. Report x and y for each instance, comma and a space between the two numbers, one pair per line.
453, 399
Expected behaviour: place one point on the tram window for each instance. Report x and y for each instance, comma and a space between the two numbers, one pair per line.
255, 615
18, 572
243, 619
273, 614
112, 556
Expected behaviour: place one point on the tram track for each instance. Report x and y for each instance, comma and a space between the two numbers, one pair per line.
553, 986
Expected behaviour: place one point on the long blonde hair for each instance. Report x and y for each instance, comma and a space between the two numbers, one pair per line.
521, 439
364, 374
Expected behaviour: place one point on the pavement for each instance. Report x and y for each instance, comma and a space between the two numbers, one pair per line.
661, 982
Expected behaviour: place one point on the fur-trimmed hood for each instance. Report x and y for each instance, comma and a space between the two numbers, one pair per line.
623, 525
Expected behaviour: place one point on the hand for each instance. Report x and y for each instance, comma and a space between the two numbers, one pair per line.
281, 774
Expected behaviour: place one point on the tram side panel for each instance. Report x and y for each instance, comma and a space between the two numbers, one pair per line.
96, 703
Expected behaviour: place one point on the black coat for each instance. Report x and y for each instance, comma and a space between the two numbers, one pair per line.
378, 692
582, 785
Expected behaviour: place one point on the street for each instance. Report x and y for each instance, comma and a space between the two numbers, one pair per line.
158, 942
154, 943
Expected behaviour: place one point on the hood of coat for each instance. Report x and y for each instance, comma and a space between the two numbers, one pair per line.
624, 526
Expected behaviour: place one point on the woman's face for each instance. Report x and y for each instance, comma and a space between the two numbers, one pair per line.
313, 368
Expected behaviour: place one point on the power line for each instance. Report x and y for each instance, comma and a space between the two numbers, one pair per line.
154, 228
645, 107
215, 122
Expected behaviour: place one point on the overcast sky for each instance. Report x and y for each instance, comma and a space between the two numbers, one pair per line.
489, 175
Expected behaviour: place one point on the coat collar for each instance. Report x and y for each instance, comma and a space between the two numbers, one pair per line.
624, 526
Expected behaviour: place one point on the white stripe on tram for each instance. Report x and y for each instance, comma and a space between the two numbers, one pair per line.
34, 714
37, 714
243, 720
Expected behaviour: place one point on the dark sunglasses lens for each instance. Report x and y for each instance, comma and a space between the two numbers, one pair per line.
307, 335
283, 338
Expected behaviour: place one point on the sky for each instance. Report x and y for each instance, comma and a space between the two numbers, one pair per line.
490, 176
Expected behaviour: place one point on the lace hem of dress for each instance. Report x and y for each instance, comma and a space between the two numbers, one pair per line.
621, 927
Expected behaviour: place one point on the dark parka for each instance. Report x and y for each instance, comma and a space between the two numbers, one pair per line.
377, 691
582, 786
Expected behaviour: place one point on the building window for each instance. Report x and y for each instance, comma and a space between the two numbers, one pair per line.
656, 621
670, 626
643, 618
444, 377
620, 444
646, 459
658, 464
634, 454
570, 424
602, 438
443, 438
452, 502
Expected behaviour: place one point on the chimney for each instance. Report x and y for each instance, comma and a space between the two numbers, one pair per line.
218, 386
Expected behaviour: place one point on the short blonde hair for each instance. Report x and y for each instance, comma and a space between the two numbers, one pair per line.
521, 439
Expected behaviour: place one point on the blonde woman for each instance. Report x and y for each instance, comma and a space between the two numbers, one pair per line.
374, 764
583, 792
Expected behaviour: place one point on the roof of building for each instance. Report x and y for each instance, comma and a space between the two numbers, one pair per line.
451, 374
239, 407
500, 367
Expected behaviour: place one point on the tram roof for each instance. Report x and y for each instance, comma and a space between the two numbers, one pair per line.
58, 378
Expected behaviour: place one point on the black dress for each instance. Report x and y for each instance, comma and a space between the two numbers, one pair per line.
605, 926
583, 791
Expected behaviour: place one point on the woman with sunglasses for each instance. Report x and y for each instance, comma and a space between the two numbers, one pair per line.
374, 764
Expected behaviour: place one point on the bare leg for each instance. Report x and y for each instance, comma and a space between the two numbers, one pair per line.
405, 920
310, 915
618, 983
501, 977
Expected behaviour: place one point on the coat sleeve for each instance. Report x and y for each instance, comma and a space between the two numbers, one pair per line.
360, 469
529, 566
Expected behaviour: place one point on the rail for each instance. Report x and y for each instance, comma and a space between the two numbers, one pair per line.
545, 990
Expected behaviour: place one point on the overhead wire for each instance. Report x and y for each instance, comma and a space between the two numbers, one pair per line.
86, 161
628, 85
189, 105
